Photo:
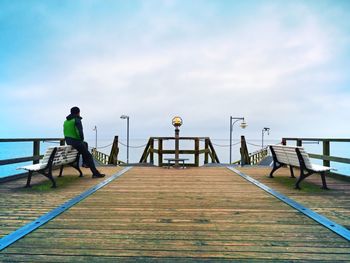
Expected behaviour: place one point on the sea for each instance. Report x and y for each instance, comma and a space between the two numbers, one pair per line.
9, 150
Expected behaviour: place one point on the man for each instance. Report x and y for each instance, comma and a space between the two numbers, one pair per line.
73, 134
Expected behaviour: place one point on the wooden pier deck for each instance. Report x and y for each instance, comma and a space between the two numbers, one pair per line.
19, 206
156, 214
333, 204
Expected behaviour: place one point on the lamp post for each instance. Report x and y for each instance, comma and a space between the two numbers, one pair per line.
177, 122
265, 129
95, 129
243, 126
127, 136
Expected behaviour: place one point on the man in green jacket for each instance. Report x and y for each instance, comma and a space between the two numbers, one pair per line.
74, 136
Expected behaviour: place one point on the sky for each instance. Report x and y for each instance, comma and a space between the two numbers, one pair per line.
279, 64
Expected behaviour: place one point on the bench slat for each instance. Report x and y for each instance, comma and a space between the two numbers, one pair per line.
64, 155
287, 155
296, 157
56, 157
33, 167
320, 168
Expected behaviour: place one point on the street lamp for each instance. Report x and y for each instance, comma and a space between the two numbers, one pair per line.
265, 129
243, 126
177, 122
127, 136
95, 129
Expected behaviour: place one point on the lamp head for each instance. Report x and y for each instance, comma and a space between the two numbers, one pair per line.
243, 124
177, 121
124, 117
267, 130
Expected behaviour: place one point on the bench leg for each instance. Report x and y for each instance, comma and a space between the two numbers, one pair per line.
324, 183
291, 171
275, 167
301, 177
49, 175
61, 171
29, 179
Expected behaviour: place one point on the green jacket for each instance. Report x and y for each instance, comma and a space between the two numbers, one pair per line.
73, 128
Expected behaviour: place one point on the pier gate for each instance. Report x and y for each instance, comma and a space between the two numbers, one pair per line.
155, 146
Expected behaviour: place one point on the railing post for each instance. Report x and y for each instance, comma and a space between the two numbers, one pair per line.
244, 152
151, 155
36, 150
145, 152
284, 141
196, 149
213, 153
299, 143
62, 142
160, 152
113, 156
326, 152
206, 148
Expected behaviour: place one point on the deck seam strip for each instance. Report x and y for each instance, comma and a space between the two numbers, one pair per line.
322, 220
28, 228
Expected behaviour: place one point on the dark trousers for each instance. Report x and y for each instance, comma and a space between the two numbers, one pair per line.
82, 148
85, 162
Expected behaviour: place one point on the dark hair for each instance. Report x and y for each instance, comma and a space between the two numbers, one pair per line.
74, 110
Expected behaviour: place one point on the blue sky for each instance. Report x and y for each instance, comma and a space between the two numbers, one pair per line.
281, 64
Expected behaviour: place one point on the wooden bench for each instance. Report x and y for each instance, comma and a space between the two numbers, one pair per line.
296, 157
173, 160
54, 157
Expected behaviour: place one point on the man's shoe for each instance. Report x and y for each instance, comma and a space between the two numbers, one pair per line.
98, 175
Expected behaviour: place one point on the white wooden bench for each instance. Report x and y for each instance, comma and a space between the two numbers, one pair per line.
296, 157
54, 157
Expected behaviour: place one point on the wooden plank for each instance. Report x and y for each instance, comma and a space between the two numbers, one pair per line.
333, 204
206, 151
199, 253
318, 139
326, 152
330, 158
26, 204
196, 152
160, 152
181, 215
31, 139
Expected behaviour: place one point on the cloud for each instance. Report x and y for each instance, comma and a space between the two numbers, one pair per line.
274, 70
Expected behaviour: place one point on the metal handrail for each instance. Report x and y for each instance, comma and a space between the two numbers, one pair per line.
36, 149
255, 157
102, 158
326, 157
30, 139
